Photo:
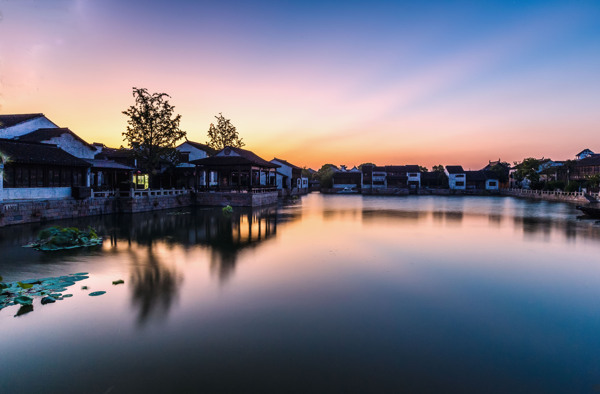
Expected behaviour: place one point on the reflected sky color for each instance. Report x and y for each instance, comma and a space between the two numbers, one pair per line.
342, 82
332, 293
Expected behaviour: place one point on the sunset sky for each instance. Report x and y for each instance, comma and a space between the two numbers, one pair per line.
314, 82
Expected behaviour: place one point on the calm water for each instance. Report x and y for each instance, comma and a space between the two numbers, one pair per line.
330, 294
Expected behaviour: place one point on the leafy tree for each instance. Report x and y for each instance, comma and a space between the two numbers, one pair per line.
365, 164
438, 168
325, 175
423, 169
152, 130
223, 134
501, 170
527, 170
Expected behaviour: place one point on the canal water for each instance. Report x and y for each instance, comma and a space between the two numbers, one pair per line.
325, 294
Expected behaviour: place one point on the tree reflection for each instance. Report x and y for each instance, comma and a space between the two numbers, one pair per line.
154, 286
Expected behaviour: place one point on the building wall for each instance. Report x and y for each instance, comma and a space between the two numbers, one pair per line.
454, 181
492, 184
73, 146
285, 170
195, 153
35, 193
26, 127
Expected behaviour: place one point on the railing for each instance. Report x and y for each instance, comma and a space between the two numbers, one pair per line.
239, 189
556, 193
133, 193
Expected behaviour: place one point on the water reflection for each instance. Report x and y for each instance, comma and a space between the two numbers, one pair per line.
154, 285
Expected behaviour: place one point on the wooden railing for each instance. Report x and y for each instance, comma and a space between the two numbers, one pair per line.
239, 189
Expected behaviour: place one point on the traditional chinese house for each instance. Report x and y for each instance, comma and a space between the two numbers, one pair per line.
237, 170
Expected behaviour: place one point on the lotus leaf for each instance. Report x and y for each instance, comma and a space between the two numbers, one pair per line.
48, 300
96, 293
24, 300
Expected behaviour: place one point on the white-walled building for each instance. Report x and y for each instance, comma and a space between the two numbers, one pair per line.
457, 177
16, 125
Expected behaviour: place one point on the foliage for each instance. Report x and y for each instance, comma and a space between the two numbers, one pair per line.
572, 186
227, 210
527, 169
365, 164
438, 168
58, 238
554, 185
152, 130
593, 181
501, 170
223, 134
325, 175
306, 173
423, 169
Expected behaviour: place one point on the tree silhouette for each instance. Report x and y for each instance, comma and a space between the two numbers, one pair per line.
223, 134
152, 130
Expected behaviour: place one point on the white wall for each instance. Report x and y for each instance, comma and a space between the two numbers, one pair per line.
195, 153
73, 146
35, 193
489, 184
284, 170
453, 178
27, 127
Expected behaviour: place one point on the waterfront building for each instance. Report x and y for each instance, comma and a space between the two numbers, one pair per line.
237, 169
289, 178
457, 177
62, 138
347, 179
31, 170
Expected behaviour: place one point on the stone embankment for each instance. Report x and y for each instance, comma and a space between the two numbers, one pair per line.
18, 212
571, 197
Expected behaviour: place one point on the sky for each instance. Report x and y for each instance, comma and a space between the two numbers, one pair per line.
315, 82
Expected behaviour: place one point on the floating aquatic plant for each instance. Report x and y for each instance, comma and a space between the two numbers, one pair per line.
227, 210
48, 289
60, 238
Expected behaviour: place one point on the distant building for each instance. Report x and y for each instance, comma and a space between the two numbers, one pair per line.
583, 154
290, 177
457, 178
344, 178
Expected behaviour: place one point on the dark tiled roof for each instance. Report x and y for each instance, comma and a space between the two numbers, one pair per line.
432, 176
203, 147
286, 163
36, 153
586, 149
109, 164
12, 120
455, 170
113, 153
244, 157
480, 175
412, 168
41, 135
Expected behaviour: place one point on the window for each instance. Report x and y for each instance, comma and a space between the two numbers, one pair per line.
460, 175
460, 183
492, 184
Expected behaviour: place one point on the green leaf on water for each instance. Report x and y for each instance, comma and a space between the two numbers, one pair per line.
24, 285
118, 282
96, 293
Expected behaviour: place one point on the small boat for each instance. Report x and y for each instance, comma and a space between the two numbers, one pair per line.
348, 190
592, 210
